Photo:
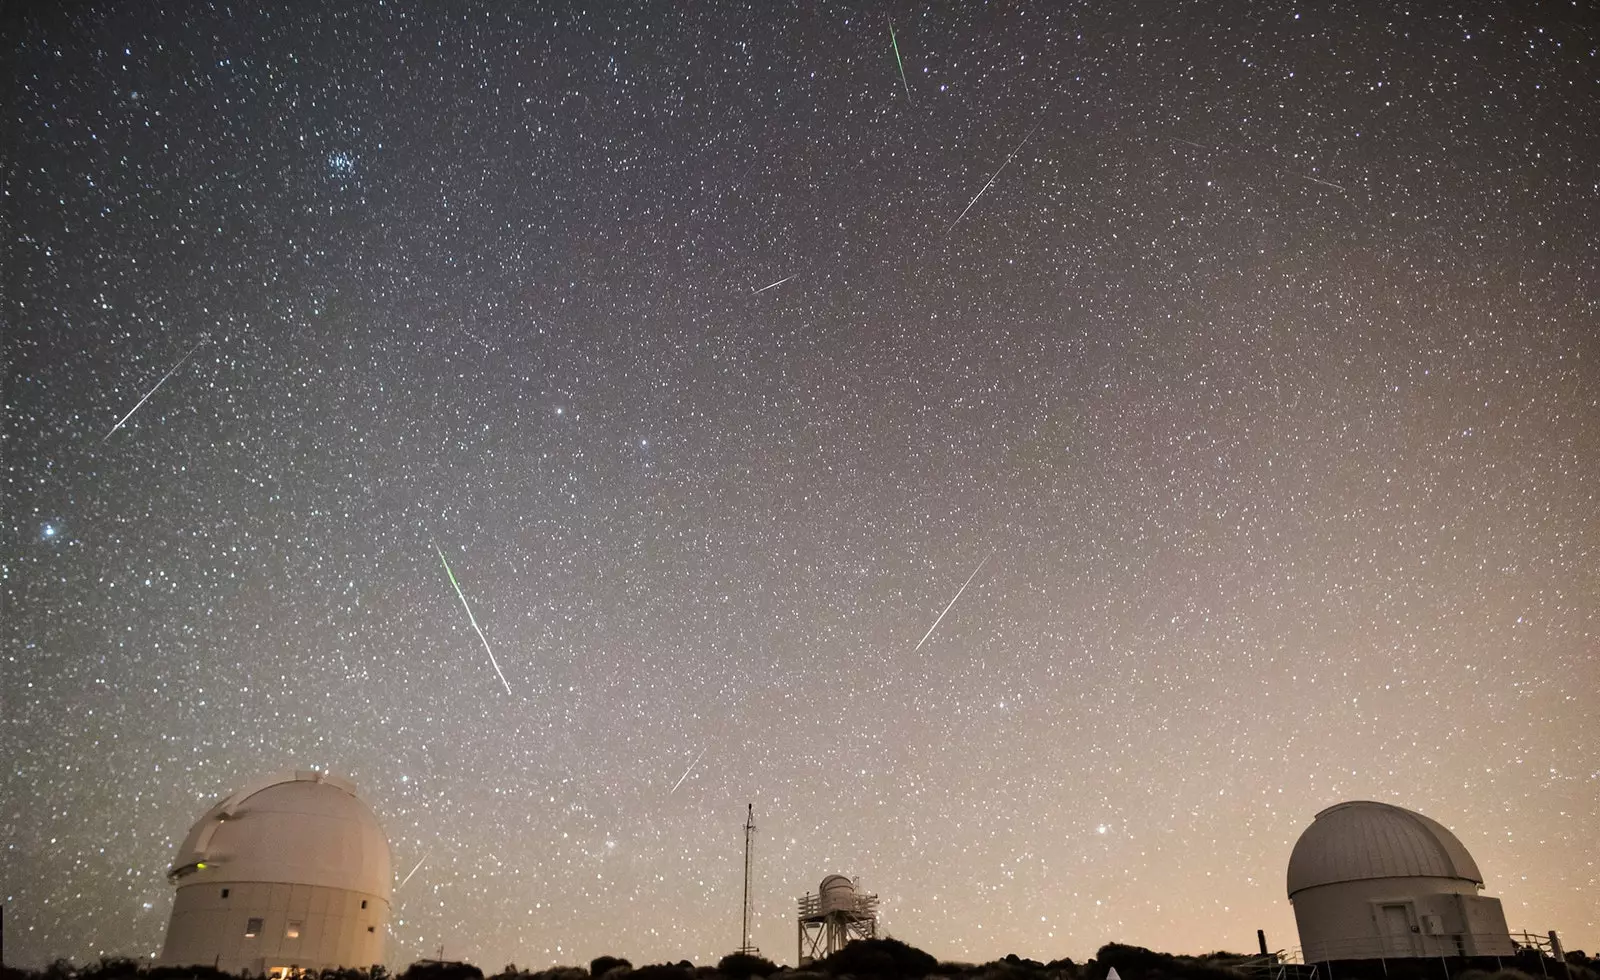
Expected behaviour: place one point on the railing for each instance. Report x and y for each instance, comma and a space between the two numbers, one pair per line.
1406, 946
1498, 946
863, 905
1274, 966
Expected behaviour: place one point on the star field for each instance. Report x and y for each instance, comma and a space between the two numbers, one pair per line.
1255, 391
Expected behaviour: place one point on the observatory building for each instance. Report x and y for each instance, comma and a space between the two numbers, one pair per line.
288, 875
834, 916
1374, 881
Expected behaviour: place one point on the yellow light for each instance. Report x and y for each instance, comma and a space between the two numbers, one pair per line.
200, 866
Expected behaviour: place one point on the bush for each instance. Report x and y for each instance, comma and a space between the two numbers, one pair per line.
1138, 963
441, 970
186, 973
601, 965
888, 958
663, 971
740, 965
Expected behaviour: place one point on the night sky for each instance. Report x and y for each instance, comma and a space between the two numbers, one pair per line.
1242, 359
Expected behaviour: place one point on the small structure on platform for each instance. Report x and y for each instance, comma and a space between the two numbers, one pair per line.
290, 875
836, 915
1376, 881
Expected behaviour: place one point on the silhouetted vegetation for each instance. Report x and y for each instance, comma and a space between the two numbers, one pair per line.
441, 970
887, 958
891, 959
664, 971
1138, 963
740, 965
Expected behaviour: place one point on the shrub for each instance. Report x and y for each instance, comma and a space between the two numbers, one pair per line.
601, 965
741, 965
887, 958
662, 971
441, 970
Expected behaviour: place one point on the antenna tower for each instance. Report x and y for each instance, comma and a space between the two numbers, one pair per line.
745, 945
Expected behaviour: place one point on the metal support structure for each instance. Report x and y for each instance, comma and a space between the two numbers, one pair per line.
745, 945
824, 929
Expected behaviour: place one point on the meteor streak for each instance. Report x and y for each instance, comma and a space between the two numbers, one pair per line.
152, 391
952, 602
413, 871
1318, 180
767, 287
990, 182
686, 772
896, 45
472, 619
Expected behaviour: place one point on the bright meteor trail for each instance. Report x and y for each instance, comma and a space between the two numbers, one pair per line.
952, 602
990, 182
896, 45
771, 285
152, 391
412, 872
472, 619
686, 772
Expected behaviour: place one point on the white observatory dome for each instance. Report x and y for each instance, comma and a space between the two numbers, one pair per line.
837, 894
1361, 839
1377, 881
304, 828
286, 876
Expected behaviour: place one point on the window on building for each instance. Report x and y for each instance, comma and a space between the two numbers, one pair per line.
363, 903
252, 928
225, 893
371, 929
292, 930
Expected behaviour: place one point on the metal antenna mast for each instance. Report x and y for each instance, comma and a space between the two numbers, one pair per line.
745, 946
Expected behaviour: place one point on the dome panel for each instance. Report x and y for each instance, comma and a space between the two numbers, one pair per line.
1362, 839
297, 828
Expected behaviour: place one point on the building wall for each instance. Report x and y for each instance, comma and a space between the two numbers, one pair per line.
1398, 918
1484, 920
334, 930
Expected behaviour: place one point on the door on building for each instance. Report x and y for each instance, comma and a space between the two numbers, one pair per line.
1399, 939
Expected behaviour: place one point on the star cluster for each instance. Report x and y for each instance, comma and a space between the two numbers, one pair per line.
1241, 359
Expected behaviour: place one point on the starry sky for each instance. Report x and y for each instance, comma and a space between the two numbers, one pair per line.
1235, 363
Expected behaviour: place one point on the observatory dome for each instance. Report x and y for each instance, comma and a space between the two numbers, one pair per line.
1361, 839
1377, 881
303, 828
289, 875
838, 894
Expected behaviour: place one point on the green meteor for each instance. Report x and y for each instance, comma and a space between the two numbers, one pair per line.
896, 45
471, 618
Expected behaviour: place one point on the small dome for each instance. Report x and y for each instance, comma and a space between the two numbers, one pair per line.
1361, 839
837, 894
302, 828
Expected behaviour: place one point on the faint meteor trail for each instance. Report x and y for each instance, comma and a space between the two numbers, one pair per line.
1318, 180
686, 772
767, 287
152, 391
902, 65
952, 602
412, 871
990, 182
472, 619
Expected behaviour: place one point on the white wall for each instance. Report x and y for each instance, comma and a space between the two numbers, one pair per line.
1359, 920
335, 931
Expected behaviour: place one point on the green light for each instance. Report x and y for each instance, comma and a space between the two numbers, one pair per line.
896, 45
